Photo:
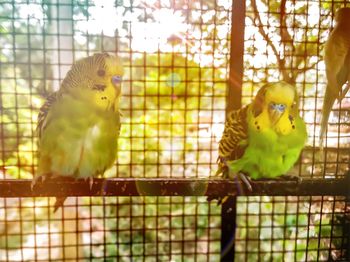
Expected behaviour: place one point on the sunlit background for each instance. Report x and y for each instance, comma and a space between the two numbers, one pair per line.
176, 56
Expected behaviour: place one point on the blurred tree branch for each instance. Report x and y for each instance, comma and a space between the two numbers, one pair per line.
259, 24
289, 68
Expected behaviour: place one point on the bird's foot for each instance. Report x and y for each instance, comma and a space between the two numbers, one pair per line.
291, 177
246, 180
37, 179
241, 177
91, 181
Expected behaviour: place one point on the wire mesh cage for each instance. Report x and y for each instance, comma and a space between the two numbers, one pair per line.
185, 64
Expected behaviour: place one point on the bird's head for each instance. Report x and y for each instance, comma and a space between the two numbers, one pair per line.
279, 100
343, 14
97, 79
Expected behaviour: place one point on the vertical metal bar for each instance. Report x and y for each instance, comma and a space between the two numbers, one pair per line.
346, 228
228, 229
234, 95
346, 231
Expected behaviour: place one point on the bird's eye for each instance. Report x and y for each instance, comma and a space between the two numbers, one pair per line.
277, 107
101, 72
117, 79
99, 87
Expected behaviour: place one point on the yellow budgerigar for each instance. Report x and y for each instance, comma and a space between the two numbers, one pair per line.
337, 61
78, 126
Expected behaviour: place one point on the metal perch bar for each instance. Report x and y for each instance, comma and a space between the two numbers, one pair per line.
172, 187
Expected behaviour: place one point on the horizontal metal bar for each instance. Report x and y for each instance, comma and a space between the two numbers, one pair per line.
172, 187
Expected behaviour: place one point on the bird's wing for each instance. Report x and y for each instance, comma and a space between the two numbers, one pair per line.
44, 111
344, 73
232, 143
337, 61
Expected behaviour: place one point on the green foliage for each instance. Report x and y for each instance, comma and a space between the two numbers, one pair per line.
23, 71
167, 101
152, 226
281, 224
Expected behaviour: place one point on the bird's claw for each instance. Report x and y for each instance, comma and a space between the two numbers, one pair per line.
91, 181
246, 180
291, 177
241, 177
37, 179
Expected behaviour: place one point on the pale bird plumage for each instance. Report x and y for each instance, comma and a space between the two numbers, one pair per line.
337, 62
79, 125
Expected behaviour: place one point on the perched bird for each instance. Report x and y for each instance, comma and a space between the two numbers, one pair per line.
337, 61
263, 139
78, 126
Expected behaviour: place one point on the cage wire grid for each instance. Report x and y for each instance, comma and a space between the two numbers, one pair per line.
177, 62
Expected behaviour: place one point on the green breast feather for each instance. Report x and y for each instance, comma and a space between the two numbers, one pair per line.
269, 154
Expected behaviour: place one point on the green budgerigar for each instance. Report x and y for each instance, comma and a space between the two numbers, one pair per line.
78, 126
263, 139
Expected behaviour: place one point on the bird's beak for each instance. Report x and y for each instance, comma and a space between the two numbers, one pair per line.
117, 80
276, 111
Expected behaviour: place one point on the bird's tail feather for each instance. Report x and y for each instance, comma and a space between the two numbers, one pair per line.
328, 102
345, 91
59, 202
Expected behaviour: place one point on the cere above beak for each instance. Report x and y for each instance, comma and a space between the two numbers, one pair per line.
276, 111
116, 80
278, 107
